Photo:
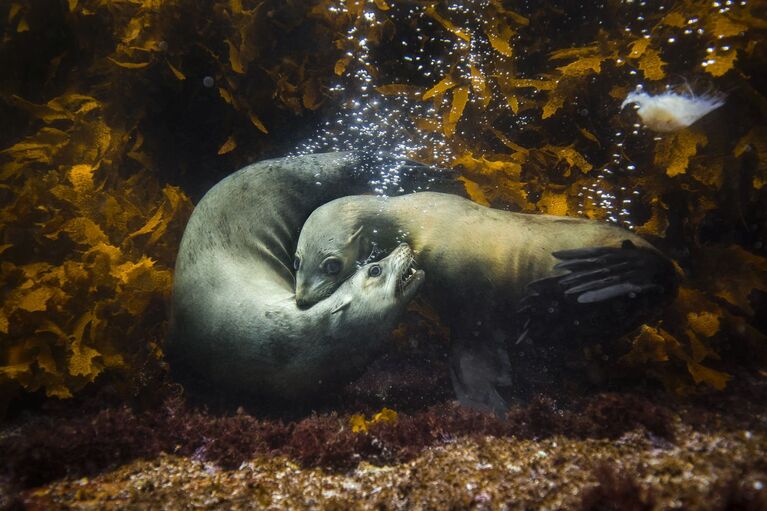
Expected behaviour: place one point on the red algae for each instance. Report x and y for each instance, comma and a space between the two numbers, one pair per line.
46, 448
602, 451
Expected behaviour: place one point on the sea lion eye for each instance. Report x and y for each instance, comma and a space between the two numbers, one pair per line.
375, 271
296, 263
332, 266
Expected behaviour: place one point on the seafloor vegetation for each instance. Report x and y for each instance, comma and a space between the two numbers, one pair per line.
605, 451
117, 115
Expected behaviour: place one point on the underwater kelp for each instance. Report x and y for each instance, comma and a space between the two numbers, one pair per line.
117, 111
110, 103
81, 287
527, 103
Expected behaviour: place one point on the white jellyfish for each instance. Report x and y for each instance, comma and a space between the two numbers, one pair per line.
670, 111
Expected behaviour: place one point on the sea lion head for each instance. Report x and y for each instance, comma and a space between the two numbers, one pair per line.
380, 291
327, 254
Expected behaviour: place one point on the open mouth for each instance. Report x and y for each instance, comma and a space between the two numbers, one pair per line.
407, 275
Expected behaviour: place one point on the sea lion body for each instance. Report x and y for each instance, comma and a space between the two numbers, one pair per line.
468, 250
234, 317
480, 265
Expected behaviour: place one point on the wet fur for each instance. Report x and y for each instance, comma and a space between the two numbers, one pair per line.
480, 264
235, 322
468, 251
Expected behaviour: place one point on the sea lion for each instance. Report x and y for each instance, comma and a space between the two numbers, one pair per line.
491, 273
234, 317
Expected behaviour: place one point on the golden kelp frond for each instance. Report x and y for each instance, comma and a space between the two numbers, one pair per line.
359, 424
89, 225
686, 336
93, 292
673, 152
746, 273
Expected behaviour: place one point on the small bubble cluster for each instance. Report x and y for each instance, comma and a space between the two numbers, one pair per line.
373, 122
386, 123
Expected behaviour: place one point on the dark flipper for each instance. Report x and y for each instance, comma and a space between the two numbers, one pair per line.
607, 292
477, 371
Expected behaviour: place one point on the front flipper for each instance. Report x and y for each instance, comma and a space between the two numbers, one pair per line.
477, 371
607, 291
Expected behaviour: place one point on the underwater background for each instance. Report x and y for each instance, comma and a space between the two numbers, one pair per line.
117, 116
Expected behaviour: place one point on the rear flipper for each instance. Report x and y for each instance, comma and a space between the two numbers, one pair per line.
477, 371
607, 292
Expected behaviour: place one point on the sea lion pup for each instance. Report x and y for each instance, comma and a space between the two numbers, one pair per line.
234, 317
493, 275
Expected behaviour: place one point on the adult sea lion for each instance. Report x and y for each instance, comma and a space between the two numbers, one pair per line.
491, 273
234, 316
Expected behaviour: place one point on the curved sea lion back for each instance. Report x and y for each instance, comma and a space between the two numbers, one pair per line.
234, 317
